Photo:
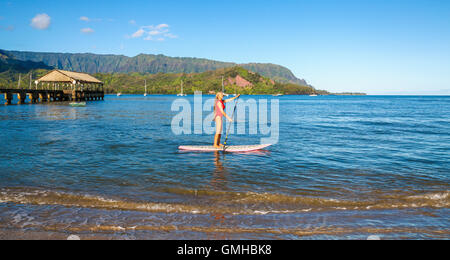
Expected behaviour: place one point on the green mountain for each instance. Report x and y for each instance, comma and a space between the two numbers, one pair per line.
236, 80
7, 63
145, 63
11, 70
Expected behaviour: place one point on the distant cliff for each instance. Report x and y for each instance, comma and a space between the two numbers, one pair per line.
146, 63
236, 80
7, 63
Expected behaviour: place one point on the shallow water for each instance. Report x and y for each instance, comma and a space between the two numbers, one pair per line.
344, 168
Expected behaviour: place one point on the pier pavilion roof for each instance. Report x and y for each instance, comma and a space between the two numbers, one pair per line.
63, 76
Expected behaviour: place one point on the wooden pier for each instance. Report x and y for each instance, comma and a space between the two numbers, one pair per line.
38, 96
59, 86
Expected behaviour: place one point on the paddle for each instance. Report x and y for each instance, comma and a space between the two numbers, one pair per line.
229, 126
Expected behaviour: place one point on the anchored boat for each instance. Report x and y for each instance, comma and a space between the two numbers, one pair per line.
78, 104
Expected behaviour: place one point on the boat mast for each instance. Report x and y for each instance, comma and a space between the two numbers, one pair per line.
223, 88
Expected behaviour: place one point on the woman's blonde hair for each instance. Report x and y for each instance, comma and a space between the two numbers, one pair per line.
217, 98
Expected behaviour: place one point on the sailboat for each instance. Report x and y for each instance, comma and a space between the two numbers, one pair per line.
181, 94
119, 94
145, 94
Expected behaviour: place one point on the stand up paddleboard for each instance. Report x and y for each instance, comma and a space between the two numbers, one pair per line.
227, 148
230, 149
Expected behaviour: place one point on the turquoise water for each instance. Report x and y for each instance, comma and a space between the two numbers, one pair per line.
344, 168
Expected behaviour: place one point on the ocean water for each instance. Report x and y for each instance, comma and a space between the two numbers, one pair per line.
344, 168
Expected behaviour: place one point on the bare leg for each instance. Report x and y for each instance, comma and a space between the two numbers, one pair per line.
218, 132
216, 141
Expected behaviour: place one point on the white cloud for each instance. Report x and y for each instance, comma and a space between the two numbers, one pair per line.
162, 26
154, 32
138, 34
87, 30
159, 27
159, 32
88, 20
84, 18
41, 21
150, 38
170, 36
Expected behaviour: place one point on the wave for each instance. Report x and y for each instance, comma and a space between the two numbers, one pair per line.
233, 203
298, 232
42, 197
438, 199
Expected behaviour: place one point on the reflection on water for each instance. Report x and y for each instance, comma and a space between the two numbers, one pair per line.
345, 167
219, 179
218, 183
58, 113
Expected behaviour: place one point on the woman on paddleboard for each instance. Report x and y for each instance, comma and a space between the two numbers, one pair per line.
219, 112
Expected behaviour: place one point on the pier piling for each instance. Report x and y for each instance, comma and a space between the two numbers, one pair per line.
21, 96
8, 98
41, 96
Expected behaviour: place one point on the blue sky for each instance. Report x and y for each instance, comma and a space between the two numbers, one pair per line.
373, 46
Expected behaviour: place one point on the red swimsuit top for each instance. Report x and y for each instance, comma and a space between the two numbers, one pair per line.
218, 111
